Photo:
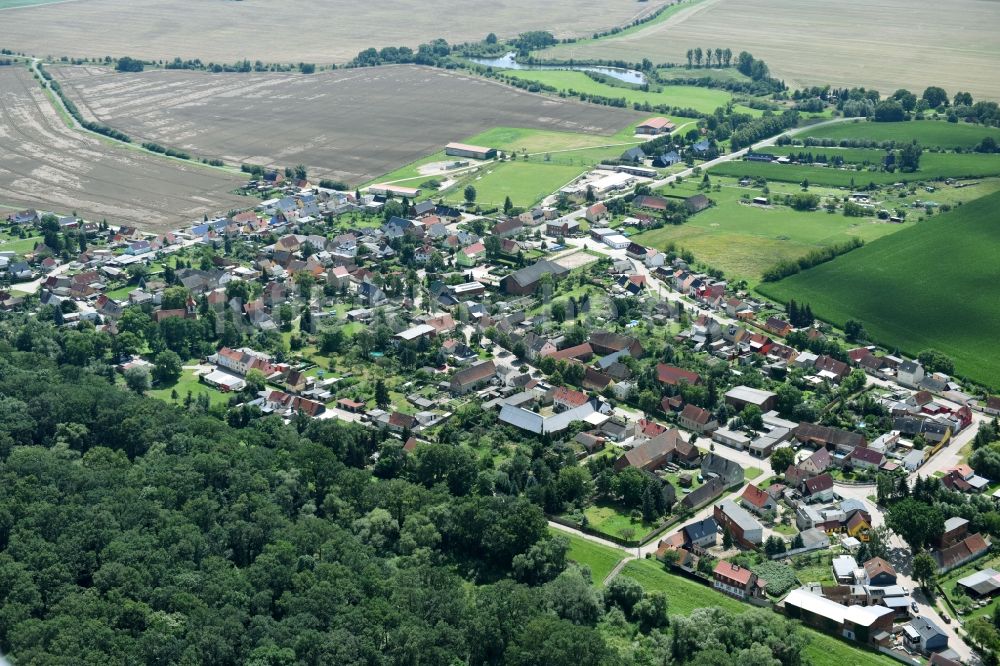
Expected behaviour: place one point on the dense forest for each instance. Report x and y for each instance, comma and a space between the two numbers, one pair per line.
137, 532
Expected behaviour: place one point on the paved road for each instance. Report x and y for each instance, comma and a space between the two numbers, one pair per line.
34, 285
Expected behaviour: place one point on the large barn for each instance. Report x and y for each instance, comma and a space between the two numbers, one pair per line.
465, 150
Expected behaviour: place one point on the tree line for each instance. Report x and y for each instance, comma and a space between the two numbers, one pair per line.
815, 257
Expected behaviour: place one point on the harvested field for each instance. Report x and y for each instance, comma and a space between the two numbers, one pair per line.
352, 125
320, 31
44, 164
884, 44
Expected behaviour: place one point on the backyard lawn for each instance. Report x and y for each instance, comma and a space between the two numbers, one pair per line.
613, 520
18, 245
188, 382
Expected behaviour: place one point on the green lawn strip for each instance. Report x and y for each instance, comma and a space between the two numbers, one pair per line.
893, 284
705, 100
928, 133
553, 52
683, 596
752, 473
600, 559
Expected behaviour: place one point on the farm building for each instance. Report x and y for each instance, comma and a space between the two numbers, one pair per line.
386, 190
465, 150
741, 396
616, 241
657, 125
859, 623
743, 528
527, 279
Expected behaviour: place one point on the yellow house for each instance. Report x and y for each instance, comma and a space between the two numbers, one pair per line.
858, 526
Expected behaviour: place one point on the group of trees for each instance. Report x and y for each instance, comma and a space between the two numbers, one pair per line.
799, 316
723, 57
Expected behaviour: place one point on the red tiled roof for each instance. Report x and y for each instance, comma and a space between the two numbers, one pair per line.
569, 396
696, 414
573, 352
756, 496
733, 572
670, 374
876, 566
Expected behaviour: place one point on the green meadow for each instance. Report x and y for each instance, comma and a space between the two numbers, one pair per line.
744, 240
936, 133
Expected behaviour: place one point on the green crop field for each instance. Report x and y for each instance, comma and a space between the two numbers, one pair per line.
928, 133
933, 285
705, 100
683, 596
600, 559
933, 166
743, 241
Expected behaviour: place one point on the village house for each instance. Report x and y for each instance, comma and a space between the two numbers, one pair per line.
697, 419
728, 471
742, 527
653, 454
473, 377
757, 500
737, 581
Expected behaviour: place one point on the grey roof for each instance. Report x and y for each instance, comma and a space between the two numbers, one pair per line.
538, 424
926, 628
700, 529
532, 274
813, 537
844, 566
739, 515
982, 582
749, 395
849, 505
954, 523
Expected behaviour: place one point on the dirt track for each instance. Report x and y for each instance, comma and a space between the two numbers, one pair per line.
46, 165
350, 124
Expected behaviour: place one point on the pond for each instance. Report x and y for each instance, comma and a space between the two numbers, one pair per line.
508, 62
